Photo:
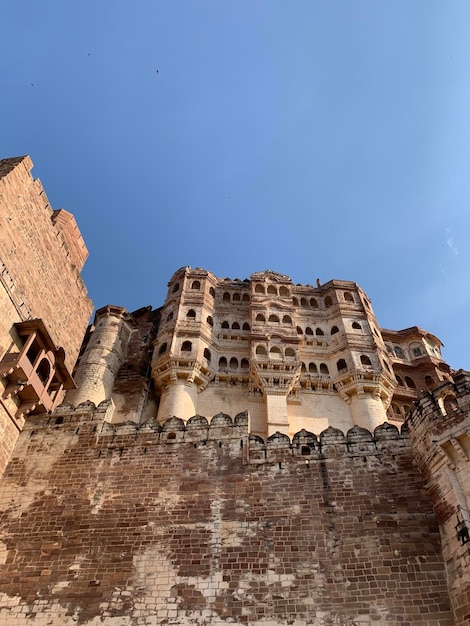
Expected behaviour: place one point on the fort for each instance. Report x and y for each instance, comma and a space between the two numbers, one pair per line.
252, 452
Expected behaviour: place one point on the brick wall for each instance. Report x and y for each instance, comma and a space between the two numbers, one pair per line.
194, 524
39, 260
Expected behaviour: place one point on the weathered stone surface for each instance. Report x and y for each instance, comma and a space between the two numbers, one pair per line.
119, 525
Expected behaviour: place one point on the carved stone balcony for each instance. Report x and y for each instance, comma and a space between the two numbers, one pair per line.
36, 373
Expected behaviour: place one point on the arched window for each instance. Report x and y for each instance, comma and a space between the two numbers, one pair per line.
222, 362
260, 350
284, 292
308, 331
275, 351
260, 318
429, 380
176, 286
226, 297
328, 301
43, 370
396, 410
225, 324
356, 326
259, 289
272, 290
236, 297
417, 351
365, 360
207, 354
303, 301
246, 326
186, 346
399, 381
191, 314
196, 284
233, 363
235, 326
341, 365
210, 321
162, 348
399, 352
302, 367
312, 368
245, 298
324, 369
348, 296
334, 330
450, 404
274, 318
290, 352
313, 303
170, 316
299, 331
245, 364
212, 291
319, 332
295, 302
410, 382
287, 319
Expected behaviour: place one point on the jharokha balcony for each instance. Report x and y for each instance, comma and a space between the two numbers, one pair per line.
36, 373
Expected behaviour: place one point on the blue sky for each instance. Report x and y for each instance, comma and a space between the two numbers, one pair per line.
324, 139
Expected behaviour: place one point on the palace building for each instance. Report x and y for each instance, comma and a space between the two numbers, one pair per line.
252, 451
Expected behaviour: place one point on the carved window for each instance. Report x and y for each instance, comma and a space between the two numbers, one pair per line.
341, 365
313, 303
196, 284
186, 346
334, 330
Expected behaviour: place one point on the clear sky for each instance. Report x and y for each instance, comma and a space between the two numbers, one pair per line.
316, 138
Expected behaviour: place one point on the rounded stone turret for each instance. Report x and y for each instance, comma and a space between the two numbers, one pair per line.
103, 356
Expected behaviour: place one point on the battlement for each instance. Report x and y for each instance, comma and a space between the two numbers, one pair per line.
230, 434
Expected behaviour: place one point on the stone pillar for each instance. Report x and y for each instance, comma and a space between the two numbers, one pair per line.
178, 400
276, 413
103, 356
367, 411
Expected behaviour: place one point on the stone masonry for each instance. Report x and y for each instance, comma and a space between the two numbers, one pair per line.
202, 523
337, 494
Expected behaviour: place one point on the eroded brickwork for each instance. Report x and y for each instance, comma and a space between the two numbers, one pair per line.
194, 524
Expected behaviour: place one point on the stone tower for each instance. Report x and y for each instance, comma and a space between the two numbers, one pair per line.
44, 308
439, 426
